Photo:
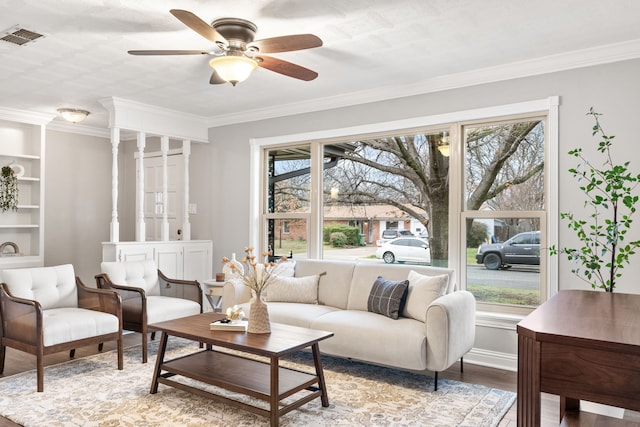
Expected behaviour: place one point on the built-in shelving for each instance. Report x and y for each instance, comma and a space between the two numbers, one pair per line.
23, 145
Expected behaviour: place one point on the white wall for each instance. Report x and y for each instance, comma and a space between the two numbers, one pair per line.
611, 89
78, 201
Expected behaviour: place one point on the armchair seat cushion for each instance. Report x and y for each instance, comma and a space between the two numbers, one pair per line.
160, 309
62, 325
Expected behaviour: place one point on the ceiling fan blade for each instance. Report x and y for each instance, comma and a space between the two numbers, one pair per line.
287, 43
197, 25
168, 52
287, 68
216, 79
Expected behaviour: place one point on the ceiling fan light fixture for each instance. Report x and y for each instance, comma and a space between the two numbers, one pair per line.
73, 115
233, 69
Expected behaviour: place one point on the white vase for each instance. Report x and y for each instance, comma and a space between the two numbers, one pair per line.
237, 270
258, 317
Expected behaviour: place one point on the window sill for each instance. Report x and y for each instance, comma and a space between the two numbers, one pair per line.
498, 320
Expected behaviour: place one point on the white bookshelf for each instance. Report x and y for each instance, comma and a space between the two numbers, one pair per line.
23, 144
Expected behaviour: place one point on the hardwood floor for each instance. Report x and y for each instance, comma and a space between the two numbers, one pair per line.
17, 362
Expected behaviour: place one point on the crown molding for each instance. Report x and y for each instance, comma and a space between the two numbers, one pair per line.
544, 65
22, 116
78, 128
138, 117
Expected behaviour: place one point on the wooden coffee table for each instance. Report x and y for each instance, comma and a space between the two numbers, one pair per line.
262, 379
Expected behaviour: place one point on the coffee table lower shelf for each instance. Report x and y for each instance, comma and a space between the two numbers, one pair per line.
241, 375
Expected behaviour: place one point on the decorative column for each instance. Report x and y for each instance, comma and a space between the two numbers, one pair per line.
140, 225
115, 226
164, 148
186, 226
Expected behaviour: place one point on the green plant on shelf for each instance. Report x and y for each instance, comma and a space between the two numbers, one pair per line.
8, 189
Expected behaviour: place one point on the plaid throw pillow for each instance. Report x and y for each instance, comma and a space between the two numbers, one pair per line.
387, 297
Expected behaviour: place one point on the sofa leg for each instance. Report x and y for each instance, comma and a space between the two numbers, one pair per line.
462, 364
100, 347
72, 353
435, 381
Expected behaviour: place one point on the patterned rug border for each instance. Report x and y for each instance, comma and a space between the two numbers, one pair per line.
359, 394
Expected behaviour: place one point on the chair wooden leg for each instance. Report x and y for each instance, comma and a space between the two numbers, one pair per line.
72, 353
3, 350
120, 354
144, 347
40, 370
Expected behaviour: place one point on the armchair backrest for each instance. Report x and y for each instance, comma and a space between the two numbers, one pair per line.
140, 274
52, 287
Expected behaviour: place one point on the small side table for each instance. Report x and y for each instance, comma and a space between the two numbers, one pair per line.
213, 291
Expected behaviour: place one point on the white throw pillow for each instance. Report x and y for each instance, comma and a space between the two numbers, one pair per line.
293, 289
422, 291
284, 268
281, 269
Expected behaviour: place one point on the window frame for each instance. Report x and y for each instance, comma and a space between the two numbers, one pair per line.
542, 215
542, 107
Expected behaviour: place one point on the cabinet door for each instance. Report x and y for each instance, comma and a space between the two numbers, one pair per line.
169, 260
134, 253
197, 261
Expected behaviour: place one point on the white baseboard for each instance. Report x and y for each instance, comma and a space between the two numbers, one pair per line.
492, 359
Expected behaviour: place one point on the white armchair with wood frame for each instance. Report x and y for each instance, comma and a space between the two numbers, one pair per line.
148, 296
47, 310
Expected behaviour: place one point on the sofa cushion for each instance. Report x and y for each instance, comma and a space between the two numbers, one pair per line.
422, 291
295, 314
281, 269
365, 273
293, 289
366, 336
333, 287
387, 297
284, 268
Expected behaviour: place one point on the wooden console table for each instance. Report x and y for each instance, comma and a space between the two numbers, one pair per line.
580, 345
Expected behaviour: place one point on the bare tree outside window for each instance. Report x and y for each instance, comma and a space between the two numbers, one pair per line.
503, 171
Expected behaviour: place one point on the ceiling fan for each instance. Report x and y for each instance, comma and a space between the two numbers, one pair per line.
237, 54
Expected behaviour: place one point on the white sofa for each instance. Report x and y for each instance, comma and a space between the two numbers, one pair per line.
432, 336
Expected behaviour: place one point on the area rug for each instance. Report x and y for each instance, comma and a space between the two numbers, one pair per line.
92, 392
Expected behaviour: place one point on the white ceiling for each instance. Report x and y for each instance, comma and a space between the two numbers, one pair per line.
372, 48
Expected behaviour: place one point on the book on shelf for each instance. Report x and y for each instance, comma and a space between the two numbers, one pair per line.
236, 325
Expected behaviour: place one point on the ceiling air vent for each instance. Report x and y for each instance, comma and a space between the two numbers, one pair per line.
19, 36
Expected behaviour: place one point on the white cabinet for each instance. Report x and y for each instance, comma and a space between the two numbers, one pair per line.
176, 259
22, 148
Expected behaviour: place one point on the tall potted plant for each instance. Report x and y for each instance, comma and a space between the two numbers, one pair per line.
8, 189
611, 199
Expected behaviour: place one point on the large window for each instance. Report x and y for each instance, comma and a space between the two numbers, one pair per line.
466, 194
288, 201
504, 212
